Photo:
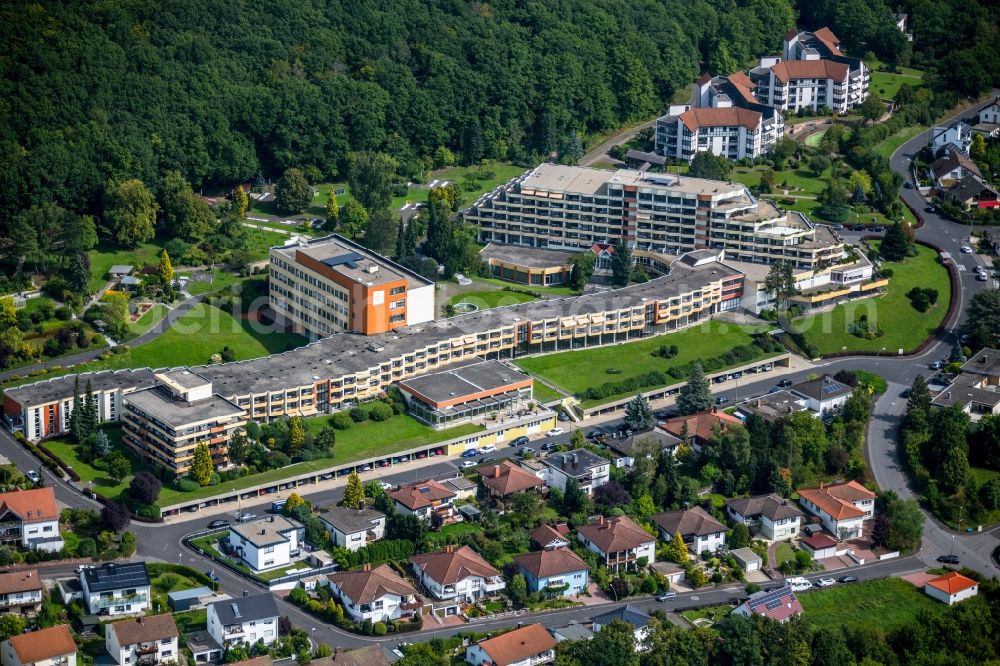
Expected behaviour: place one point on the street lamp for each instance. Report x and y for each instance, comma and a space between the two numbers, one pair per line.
876, 355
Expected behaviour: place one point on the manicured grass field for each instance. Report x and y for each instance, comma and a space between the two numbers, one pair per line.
904, 327
152, 317
91, 477
459, 174
104, 256
544, 291
887, 603
888, 146
372, 438
543, 393
576, 371
486, 300
886, 85
783, 553
802, 181
220, 280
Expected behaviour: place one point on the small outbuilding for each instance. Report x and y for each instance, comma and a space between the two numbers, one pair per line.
951, 588
747, 559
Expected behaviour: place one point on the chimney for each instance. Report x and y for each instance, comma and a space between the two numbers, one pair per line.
337, 652
263, 532
600, 521
565, 460
576, 459
496, 470
368, 566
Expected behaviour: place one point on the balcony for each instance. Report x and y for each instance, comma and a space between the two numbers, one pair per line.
494, 584
103, 602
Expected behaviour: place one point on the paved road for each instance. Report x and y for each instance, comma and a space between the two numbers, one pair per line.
91, 354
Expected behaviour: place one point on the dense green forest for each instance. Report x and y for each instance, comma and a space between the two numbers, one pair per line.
96, 93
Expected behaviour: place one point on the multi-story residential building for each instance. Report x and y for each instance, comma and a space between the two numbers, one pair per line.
144, 641
823, 395
976, 389
571, 208
321, 286
699, 530
458, 395
456, 573
424, 500
770, 516
244, 620
588, 469
841, 507
353, 528
814, 74
267, 543
116, 588
30, 519
525, 646
555, 571
163, 424
46, 647
339, 371
20, 592
378, 594
618, 541
725, 119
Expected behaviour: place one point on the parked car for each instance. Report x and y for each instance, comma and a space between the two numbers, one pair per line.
33, 475
666, 596
215, 524
721, 400
385, 485
247, 517
929, 209
471, 453
785, 383
366, 468
908, 185
948, 559
84, 567
467, 464
519, 441
847, 579
966, 249
549, 446
487, 459
982, 277
489, 448
825, 582
555, 432
799, 584
526, 451
837, 227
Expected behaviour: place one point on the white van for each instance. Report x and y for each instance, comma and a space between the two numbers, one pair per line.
799, 584
489, 448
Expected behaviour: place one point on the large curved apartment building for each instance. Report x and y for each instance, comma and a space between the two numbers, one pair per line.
341, 370
562, 207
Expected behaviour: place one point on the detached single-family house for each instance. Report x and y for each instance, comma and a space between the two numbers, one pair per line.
572, 632
587, 469
20, 592
244, 620
991, 112
780, 605
143, 641
619, 541
971, 192
699, 530
456, 573
551, 536
558, 571
770, 516
116, 589
525, 646
630, 614
958, 134
30, 519
841, 507
267, 543
508, 478
822, 395
951, 588
46, 647
772, 406
424, 499
951, 166
371, 655
626, 450
352, 528
378, 594
698, 429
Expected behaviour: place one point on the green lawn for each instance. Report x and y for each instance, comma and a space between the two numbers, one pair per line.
220, 280
543, 393
147, 321
802, 181
93, 478
886, 85
486, 300
887, 603
105, 256
904, 327
783, 553
33, 304
372, 438
461, 175
814, 139
713, 613
576, 371
888, 146
544, 291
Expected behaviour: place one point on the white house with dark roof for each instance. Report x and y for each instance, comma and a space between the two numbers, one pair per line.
143, 641
619, 541
587, 469
353, 528
630, 614
267, 543
378, 594
959, 134
244, 620
116, 588
822, 395
770, 516
699, 530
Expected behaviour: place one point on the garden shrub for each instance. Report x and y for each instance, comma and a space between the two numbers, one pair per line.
380, 411
187, 485
358, 414
379, 629
341, 421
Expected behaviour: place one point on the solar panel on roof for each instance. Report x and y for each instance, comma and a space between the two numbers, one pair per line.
771, 605
830, 389
350, 257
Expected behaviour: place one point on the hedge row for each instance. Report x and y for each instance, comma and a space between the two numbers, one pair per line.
46, 457
381, 551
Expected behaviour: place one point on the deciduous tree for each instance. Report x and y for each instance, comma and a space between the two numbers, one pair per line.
354, 493
293, 194
165, 269
130, 213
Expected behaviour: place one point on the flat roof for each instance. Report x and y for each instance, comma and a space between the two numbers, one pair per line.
549, 177
353, 261
159, 402
454, 383
266, 531
185, 379
529, 257
348, 353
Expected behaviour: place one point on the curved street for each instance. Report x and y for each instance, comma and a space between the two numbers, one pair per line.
163, 542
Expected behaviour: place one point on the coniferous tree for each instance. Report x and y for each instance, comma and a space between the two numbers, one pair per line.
201, 464
77, 411
87, 424
695, 396
237, 448
332, 211
621, 263
896, 243
240, 202
296, 436
165, 270
638, 413
354, 493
